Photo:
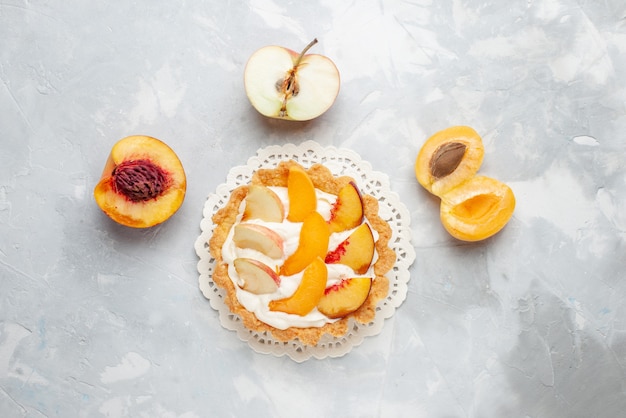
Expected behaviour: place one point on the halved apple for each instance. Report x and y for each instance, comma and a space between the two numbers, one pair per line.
308, 293
262, 203
356, 251
313, 243
283, 84
259, 238
257, 277
344, 297
301, 192
347, 212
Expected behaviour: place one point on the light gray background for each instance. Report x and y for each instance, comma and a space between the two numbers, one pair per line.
101, 320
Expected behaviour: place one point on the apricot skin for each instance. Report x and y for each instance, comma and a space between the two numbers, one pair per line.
143, 182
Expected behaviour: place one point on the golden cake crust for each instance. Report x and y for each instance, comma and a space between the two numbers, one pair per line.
322, 178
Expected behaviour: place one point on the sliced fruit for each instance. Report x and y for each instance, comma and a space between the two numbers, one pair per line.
308, 293
448, 158
347, 212
356, 251
301, 192
283, 84
262, 203
259, 238
478, 209
143, 182
313, 243
257, 277
344, 297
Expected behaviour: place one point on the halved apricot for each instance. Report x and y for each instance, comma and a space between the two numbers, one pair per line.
143, 182
478, 209
472, 207
448, 158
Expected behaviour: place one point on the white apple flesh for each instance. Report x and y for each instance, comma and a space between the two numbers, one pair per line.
258, 278
259, 238
283, 84
262, 203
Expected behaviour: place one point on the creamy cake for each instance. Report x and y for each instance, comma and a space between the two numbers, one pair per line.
264, 271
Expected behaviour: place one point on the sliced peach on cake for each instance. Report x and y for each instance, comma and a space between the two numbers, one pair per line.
143, 182
347, 212
259, 238
262, 203
313, 242
356, 251
308, 293
257, 277
344, 297
448, 158
477, 210
301, 192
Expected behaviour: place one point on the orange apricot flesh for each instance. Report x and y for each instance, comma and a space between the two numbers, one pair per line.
448, 158
301, 193
313, 243
308, 293
143, 182
478, 209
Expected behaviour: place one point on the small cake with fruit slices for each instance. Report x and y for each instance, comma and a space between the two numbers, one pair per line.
300, 253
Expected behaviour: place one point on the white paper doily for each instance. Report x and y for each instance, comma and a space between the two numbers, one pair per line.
339, 162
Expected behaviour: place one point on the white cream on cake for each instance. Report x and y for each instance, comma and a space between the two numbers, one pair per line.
289, 231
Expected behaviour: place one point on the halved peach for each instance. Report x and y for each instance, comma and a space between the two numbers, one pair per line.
143, 182
478, 209
262, 203
257, 277
313, 243
344, 297
448, 158
308, 293
301, 192
259, 238
356, 251
347, 212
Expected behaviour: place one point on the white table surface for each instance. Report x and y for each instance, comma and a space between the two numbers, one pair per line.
97, 319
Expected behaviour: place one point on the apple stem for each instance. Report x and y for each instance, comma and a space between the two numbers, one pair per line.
289, 85
304, 51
